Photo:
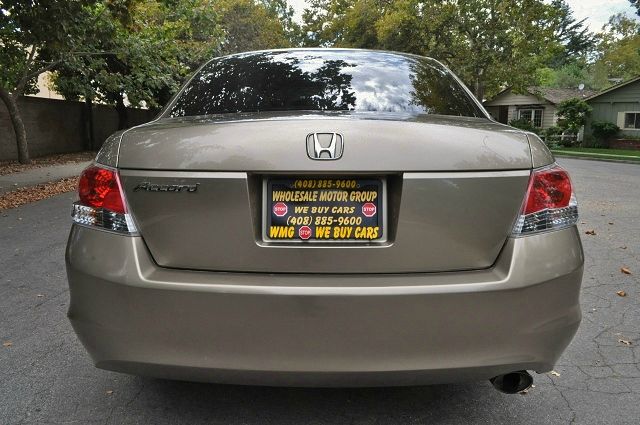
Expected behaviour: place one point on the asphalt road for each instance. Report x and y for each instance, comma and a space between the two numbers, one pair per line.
46, 377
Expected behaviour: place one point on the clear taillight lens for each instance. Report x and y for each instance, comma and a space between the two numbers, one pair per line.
102, 203
550, 203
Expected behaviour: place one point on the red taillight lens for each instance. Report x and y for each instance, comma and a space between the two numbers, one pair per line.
549, 203
100, 188
102, 203
548, 189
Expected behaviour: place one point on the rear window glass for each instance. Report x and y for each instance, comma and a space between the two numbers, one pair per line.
326, 80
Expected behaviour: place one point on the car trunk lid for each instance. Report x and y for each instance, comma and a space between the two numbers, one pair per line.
453, 187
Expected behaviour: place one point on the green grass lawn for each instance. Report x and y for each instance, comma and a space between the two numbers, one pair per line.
626, 154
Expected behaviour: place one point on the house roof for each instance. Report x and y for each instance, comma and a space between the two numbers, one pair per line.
557, 95
551, 94
616, 87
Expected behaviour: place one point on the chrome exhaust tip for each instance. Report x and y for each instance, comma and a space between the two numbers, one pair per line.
512, 383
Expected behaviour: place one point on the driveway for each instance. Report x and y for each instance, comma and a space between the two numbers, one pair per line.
46, 377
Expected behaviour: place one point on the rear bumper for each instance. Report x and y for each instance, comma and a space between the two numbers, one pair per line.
324, 330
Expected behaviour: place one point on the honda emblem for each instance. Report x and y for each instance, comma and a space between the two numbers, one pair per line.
325, 146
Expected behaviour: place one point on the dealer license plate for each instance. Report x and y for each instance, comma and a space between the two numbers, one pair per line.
324, 209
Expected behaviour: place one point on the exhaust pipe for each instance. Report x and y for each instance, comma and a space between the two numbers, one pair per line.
512, 383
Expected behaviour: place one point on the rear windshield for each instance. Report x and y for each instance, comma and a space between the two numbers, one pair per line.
326, 80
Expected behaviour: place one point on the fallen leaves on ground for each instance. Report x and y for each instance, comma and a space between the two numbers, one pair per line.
625, 270
7, 344
590, 232
624, 341
26, 195
554, 373
621, 293
9, 167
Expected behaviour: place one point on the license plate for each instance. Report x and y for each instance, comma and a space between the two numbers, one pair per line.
324, 210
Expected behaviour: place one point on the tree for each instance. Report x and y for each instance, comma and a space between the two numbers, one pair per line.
488, 43
572, 114
249, 25
505, 42
284, 12
604, 130
575, 40
524, 124
153, 45
617, 51
569, 75
150, 47
28, 30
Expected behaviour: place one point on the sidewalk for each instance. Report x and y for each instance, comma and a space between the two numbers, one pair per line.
11, 182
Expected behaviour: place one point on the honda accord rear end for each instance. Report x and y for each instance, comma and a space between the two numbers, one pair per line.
325, 217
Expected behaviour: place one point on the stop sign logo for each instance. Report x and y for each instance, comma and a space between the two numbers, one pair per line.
369, 209
304, 232
280, 209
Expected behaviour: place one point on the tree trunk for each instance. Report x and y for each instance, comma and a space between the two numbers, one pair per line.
479, 89
479, 85
90, 140
18, 126
123, 119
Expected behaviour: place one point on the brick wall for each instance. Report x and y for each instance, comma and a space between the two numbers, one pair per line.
59, 126
624, 144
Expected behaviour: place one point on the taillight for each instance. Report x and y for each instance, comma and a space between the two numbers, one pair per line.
550, 203
102, 203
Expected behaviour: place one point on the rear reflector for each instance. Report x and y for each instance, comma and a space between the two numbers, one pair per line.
550, 203
102, 203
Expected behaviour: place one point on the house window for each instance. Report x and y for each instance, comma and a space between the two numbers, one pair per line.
534, 116
632, 120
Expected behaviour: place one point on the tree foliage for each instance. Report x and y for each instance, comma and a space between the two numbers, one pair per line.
249, 25
153, 45
35, 37
524, 124
618, 56
576, 41
148, 49
284, 12
489, 43
126, 51
569, 75
572, 114
604, 130
569, 64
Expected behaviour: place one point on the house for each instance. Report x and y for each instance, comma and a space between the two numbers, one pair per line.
44, 87
537, 105
620, 105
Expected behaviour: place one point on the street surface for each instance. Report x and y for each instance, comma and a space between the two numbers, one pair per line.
46, 376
